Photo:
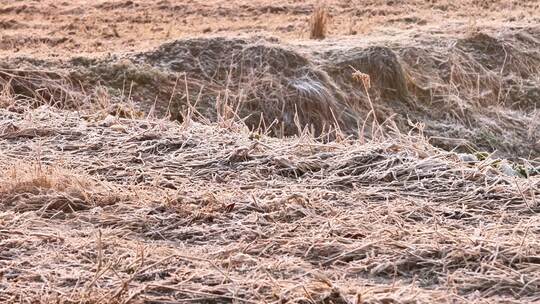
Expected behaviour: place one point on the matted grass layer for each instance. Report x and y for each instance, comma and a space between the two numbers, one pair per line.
213, 214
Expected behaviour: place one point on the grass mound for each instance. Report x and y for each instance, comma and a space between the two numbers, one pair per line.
265, 83
472, 93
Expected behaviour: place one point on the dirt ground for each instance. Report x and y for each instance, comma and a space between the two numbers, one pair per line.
210, 152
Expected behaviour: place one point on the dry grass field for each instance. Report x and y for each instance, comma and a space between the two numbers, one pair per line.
377, 151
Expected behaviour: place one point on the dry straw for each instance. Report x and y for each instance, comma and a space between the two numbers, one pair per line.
215, 215
318, 23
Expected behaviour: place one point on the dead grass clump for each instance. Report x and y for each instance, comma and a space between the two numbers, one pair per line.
318, 24
124, 110
35, 87
388, 77
47, 189
265, 85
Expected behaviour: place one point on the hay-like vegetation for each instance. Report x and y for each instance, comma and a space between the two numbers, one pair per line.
30, 86
483, 87
141, 162
216, 215
47, 190
318, 23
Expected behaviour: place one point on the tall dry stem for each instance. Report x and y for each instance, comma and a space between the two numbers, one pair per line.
318, 24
